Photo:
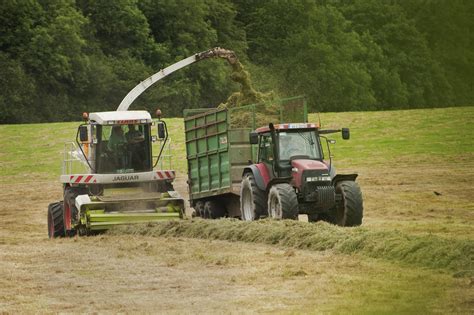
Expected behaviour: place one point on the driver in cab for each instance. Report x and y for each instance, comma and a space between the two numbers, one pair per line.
135, 140
290, 146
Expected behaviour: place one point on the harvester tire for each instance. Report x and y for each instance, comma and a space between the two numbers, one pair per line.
282, 202
252, 199
55, 220
70, 212
213, 209
350, 211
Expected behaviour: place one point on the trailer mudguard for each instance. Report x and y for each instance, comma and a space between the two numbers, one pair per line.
260, 174
344, 177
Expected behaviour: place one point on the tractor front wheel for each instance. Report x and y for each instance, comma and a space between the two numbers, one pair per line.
282, 202
350, 211
252, 199
55, 220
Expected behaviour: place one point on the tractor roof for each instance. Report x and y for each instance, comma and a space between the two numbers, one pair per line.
121, 117
288, 127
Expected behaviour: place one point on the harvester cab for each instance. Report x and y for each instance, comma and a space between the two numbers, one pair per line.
291, 176
116, 181
109, 176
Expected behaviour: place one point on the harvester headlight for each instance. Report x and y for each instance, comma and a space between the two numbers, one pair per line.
318, 179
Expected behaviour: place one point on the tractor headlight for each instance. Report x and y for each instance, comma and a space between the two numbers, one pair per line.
318, 179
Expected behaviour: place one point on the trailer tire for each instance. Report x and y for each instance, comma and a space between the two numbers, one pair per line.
214, 209
282, 202
199, 208
252, 199
314, 217
350, 211
55, 220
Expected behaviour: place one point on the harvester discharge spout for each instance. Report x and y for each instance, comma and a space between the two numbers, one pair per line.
216, 52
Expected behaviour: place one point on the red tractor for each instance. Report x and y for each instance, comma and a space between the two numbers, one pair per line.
291, 177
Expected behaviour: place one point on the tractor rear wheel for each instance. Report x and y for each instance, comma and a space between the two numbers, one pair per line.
350, 211
282, 202
252, 199
55, 220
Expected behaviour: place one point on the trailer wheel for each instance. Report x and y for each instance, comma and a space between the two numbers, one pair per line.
314, 217
350, 211
282, 202
55, 220
252, 199
199, 207
213, 209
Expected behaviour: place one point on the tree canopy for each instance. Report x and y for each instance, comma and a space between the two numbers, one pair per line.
59, 58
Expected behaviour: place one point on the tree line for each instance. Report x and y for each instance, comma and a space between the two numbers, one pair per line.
59, 58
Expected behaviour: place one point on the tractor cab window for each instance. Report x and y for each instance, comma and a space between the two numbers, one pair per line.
123, 148
265, 149
299, 143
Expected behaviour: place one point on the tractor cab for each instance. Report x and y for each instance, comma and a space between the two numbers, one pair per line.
280, 147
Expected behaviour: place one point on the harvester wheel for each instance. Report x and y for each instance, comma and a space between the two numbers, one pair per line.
70, 212
252, 199
55, 220
282, 202
213, 209
350, 211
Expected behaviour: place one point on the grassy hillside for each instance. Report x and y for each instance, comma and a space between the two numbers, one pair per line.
444, 135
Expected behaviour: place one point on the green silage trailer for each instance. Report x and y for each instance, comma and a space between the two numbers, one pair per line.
218, 150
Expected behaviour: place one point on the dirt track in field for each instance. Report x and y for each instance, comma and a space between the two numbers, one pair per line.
141, 274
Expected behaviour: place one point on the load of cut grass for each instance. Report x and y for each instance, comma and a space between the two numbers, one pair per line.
429, 251
265, 112
247, 94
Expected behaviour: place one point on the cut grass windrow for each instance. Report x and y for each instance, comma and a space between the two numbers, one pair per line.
430, 251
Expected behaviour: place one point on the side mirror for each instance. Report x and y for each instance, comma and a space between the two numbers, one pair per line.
346, 133
253, 137
83, 134
161, 130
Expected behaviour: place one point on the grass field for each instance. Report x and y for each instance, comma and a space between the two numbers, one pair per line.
413, 253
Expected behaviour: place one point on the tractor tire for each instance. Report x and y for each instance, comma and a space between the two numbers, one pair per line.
282, 202
350, 211
199, 208
252, 199
55, 220
213, 209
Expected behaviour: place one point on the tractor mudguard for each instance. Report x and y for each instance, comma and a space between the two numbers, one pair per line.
279, 180
342, 177
260, 174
